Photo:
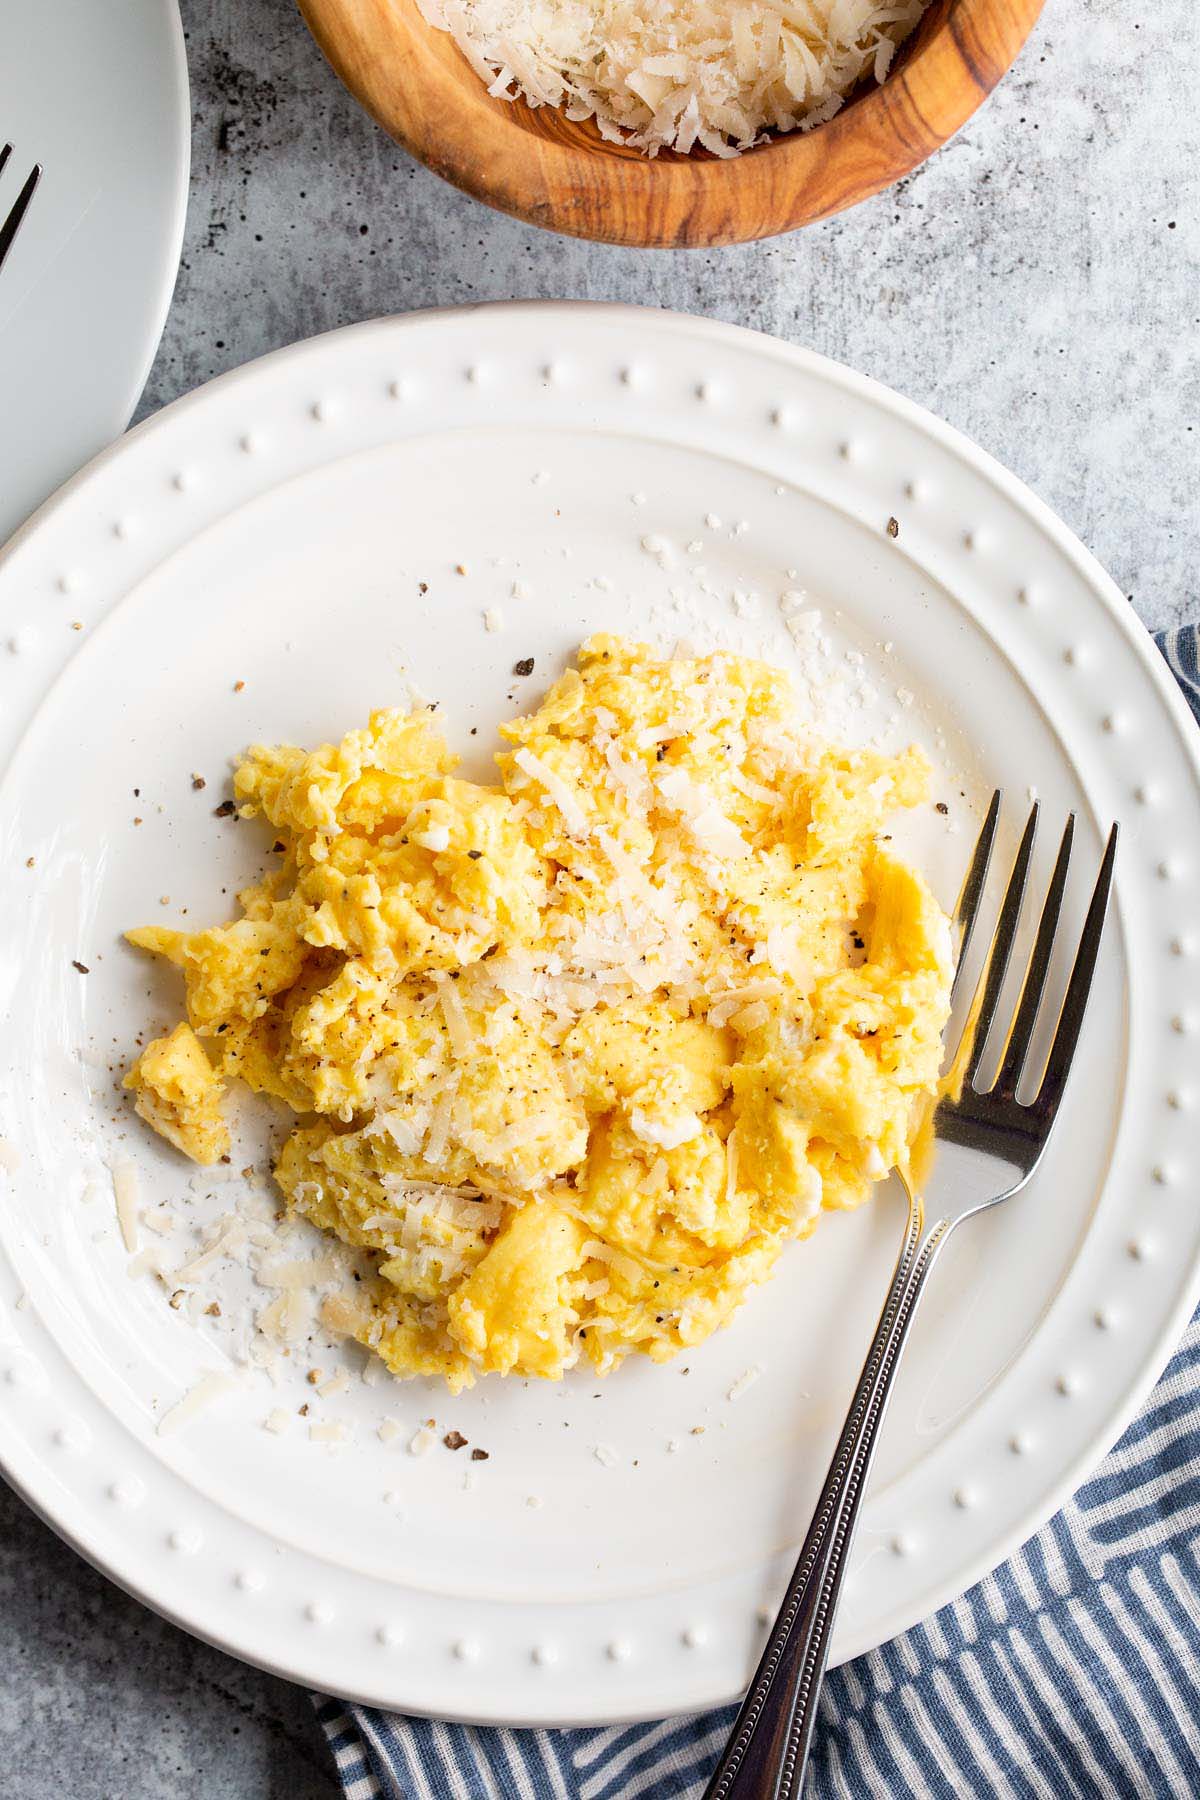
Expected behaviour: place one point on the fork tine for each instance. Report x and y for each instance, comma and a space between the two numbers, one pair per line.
1035, 975
5, 153
11, 225
966, 912
987, 994
1066, 1036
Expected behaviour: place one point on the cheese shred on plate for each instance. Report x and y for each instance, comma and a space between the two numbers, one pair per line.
660, 75
571, 1058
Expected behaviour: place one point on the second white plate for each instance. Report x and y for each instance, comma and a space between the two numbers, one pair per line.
260, 561
98, 95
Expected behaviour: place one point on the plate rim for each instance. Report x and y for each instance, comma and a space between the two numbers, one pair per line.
169, 270
1098, 583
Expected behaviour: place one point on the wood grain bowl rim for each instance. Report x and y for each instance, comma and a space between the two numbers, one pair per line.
534, 165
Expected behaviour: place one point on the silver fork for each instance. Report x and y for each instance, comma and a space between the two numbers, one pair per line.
16, 212
988, 1144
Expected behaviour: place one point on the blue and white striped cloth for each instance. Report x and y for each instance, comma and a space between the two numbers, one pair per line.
1074, 1670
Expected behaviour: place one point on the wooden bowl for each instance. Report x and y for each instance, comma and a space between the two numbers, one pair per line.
532, 162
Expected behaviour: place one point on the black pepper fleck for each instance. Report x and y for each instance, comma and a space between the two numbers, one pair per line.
524, 667
893, 528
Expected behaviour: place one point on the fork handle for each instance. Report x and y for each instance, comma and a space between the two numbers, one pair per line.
768, 1747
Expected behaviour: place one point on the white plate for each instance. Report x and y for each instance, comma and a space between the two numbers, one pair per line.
273, 529
98, 94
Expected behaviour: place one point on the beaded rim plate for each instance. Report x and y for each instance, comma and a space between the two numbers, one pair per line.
257, 561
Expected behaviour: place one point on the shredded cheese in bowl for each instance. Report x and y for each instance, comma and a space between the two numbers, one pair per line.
660, 75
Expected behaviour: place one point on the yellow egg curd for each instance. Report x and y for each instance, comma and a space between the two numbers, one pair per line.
574, 1056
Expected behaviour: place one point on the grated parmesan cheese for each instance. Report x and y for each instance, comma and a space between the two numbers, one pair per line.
746, 1379
209, 1388
736, 1000
574, 817
457, 1029
750, 1018
716, 73
125, 1192
711, 828
667, 1134
229, 1238
332, 1431
287, 1319
300, 1277
439, 1129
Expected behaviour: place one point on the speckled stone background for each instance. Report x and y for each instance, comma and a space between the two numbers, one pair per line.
1038, 285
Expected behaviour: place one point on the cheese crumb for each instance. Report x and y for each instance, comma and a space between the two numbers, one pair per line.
209, 1388
493, 619
125, 1193
330, 1431
746, 1379
661, 549
667, 1134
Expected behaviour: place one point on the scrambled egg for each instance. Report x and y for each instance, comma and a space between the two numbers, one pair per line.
577, 1055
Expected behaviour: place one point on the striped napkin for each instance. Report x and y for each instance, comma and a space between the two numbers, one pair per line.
1073, 1670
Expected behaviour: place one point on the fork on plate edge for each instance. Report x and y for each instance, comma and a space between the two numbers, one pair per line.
11, 223
988, 1143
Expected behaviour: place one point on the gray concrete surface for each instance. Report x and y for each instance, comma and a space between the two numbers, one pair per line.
102, 1700
1038, 285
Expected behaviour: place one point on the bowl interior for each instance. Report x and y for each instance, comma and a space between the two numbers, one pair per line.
550, 123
